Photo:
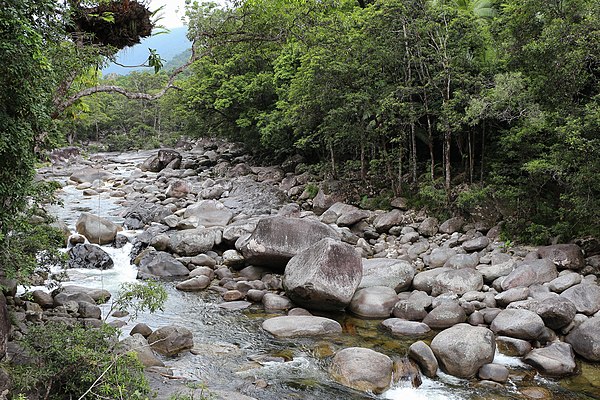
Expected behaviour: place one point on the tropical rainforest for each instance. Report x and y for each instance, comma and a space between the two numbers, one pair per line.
460, 106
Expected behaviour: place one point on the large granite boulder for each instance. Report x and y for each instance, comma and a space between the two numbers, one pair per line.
462, 349
402, 328
191, 242
585, 297
530, 273
518, 323
143, 213
457, 281
162, 265
556, 360
445, 315
343, 214
165, 158
301, 326
422, 354
373, 302
90, 175
425, 280
586, 340
208, 213
565, 256
179, 189
384, 222
277, 239
139, 345
324, 276
254, 198
171, 340
89, 256
393, 273
96, 229
556, 312
362, 369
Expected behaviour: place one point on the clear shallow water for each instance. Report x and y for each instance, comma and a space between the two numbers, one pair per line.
232, 352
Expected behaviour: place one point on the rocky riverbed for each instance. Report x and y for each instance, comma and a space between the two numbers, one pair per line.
378, 301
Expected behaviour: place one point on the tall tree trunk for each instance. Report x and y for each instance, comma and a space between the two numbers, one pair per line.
470, 145
332, 155
363, 166
413, 156
482, 151
447, 146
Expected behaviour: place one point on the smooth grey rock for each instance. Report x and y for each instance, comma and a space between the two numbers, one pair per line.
254, 198
425, 280
163, 159
99, 296
161, 264
324, 276
301, 326
452, 225
179, 188
96, 229
511, 295
557, 312
348, 368
476, 244
428, 227
89, 256
565, 256
277, 239
439, 256
493, 372
194, 284
89, 310
585, 297
191, 242
495, 271
402, 328
417, 249
171, 340
459, 261
518, 323
373, 302
42, 298
143, 213
462, 349
512, 346
272, 301
422, 354
396, 274
345, 214
530, 273
384, 222
585, 339
564, 282
91, 175
445, 315
208, 213
457, 281
139, 345
556, 359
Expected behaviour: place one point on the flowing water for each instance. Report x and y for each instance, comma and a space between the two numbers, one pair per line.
232, 351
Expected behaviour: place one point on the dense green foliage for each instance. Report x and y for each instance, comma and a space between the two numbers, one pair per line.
74, 362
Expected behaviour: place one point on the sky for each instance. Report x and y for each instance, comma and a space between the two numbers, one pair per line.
172, 13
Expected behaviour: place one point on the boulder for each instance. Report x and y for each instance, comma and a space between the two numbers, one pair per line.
402, 328
191, 242
384, 222
179, 188
452, 225
425, 280
556, 312
42, 298
89, 310
565, 256
277, 239
301, 326
512, 346
324, 276
422, 354
349, 367
139, 345
585, 339
518, 323
344, 214
460, 261
428, 227
439, 256
194, 284
373, 302
165, 158
413, 308
96, 229
161, 264
493, 372
99, 296
208, 213
171, 340
476, 244
90, 175
530, 273
463, 349
445, 315
396, 274
495, 271
273, 302
457, 281
556, 360
254, 198
89, 256
564, 282
585, 297
143, 213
